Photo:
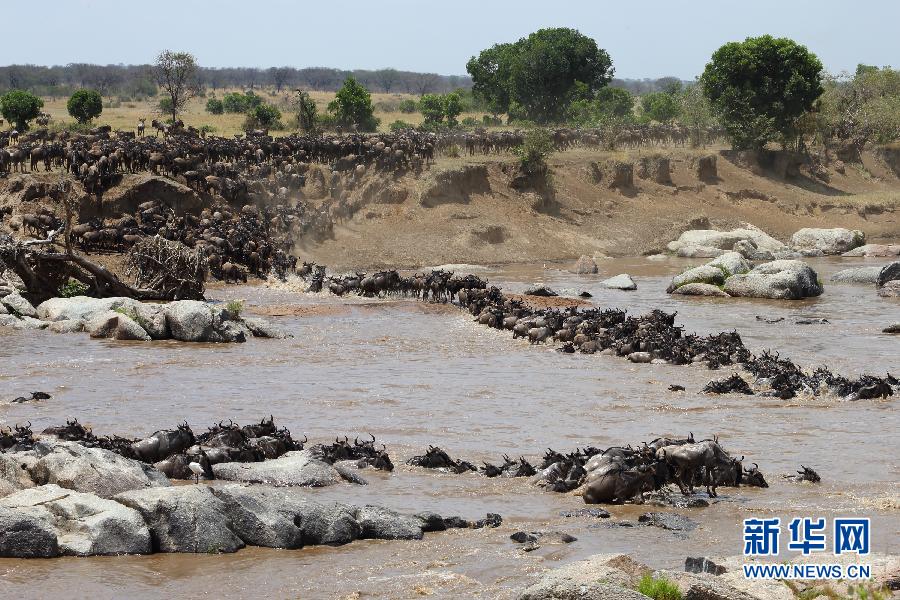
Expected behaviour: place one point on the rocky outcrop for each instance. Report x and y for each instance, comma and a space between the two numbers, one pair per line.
862, 275
779, 280
696, 242
94, 470
585, 265
599, 577
17, 305
84, 524
292, 469
874, 250
128, 319
706, 274
700, 289
25, 536
184, 519
14, 473
380, 523
815, 242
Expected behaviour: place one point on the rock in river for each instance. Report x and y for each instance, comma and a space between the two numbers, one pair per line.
779, 279
186, 518
85, 524
291, 469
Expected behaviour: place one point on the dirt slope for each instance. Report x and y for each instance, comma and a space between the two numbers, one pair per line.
465, 210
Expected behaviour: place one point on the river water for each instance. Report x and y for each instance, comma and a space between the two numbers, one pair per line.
415, 374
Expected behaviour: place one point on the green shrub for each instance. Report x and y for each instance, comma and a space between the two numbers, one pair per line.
400, 125
264, 116
235, 307
534, 151
352, 105
72, 288
658, 589
214, 106
85, 105
408, 106
470, 122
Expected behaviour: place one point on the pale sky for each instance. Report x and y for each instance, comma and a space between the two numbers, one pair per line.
646, 38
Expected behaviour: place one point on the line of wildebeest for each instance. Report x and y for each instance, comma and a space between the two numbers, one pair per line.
611, 475
644, 338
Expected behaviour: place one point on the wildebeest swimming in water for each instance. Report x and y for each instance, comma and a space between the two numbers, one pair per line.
509, 468
364, 452
435, 458
19, 438
592, 330
806, 474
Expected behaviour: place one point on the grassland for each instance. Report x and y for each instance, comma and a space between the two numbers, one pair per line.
125, 114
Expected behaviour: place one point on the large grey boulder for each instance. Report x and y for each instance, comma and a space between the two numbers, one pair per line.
82, 308
725, 240
18, 305
195, 321
585, 265
747, 249
281, 518
85, 524
187, 518
699, 252
3, 309
810, 240
114, 325
862, 275
380, 523
25, 536
890, 272
622, 281
263, 329
732, 263
291, 469
779, 279
599, 577
14, 473
890, 290
700, 289
704, 274
95, 470
262, 515
874, 250
152, 318
67, 326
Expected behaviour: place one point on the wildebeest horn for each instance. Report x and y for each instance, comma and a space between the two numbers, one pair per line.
742, 458
756, 466
356, 441
383, 448
372, 436
305, 439
691, 436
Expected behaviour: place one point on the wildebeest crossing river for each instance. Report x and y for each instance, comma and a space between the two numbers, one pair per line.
415, 374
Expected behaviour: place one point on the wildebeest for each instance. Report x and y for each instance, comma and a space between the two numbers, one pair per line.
163, 444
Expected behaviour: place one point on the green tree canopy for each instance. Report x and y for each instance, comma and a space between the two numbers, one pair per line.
214, 106
540, 75
19, 107
453, 107
263, 116
608, 103
176, 75
761, 87
352, 105
432, 108
306, 111
85, 105
660, 106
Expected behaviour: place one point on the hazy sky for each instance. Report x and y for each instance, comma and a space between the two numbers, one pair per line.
646, 38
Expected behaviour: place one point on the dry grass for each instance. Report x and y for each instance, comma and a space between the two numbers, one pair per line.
125, 115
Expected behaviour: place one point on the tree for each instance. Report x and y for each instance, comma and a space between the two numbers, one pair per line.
541, 74
761, 87
19, 107
660, 106
432, 108
214, 106
387, 79
453, 106
264, 116
85, 105
617, 102
306, 111
280, 76
176, 74
696, 113
352, 105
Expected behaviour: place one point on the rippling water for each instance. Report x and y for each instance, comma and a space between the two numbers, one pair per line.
415, 374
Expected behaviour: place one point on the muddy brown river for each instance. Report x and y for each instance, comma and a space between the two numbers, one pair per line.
415, 374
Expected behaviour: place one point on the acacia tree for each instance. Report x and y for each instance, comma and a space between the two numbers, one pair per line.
280, 76
306, 111
761, 87
176, 74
